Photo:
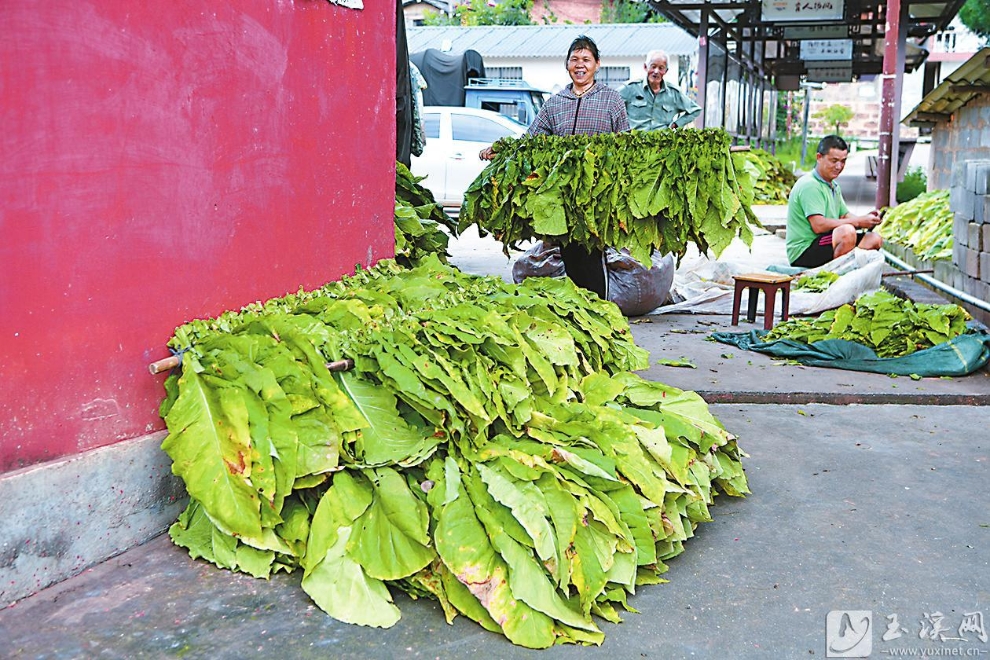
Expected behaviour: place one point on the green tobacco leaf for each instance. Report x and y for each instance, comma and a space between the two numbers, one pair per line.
592, 548
343, 590
527, 505
528, 580
335, 581
210, 446
677, 363
391, 538
318, 448
599, 388
466, 550
461, 598
388, 439
203, 539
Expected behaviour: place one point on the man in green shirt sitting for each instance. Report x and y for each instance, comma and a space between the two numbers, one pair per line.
652, 103
819, 225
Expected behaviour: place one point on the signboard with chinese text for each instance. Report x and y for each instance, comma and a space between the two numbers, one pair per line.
842, 72
775, 11
816, 32
817, 50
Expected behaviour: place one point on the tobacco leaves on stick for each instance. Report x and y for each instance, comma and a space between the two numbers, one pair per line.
645, 191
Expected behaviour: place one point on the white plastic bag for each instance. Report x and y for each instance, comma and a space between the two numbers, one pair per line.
704, 287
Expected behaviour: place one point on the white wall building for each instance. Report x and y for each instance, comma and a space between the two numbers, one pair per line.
536, 53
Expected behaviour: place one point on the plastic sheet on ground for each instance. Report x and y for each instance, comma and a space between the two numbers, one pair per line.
958, 357
703, 286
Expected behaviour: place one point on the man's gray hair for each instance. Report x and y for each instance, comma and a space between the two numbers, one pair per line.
654, 54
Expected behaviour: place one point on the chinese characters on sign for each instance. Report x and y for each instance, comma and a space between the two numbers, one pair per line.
813, 50
802, 10
816, 32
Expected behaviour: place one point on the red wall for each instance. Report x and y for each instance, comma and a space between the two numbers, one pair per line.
166, 161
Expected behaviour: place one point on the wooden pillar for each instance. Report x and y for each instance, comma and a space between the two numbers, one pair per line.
702, 77
725, 82
889, 104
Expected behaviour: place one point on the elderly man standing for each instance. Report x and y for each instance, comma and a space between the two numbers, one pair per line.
652, 103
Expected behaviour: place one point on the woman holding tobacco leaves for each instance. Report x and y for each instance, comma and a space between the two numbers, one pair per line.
582, 108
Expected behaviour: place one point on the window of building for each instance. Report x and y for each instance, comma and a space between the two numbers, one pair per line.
505, 72
613, 76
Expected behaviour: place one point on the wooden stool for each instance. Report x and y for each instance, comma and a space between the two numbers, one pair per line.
769, 284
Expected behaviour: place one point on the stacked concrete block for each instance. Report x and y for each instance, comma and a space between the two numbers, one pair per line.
970, 203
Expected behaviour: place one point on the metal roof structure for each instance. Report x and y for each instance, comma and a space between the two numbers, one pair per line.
774, 44
959, 88
552, 41
773, 30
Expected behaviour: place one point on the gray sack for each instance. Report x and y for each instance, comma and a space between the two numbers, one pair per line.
635, 289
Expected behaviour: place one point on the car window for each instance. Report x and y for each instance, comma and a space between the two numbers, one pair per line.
431, 124
477, 129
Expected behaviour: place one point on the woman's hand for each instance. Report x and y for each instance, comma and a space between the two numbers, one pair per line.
487, 153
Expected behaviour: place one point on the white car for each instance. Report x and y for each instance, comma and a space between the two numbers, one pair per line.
454, 137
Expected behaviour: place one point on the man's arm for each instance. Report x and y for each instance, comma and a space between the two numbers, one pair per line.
822, 225
690, 111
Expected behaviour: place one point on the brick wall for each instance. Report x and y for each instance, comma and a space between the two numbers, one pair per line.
970, 204
863, 98
966, 137
567, 11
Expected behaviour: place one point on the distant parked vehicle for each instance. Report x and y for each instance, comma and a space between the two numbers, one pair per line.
454, 137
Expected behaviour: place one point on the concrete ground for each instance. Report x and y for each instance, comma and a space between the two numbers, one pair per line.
870, 512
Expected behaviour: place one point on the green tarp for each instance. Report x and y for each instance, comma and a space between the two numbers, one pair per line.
963, 355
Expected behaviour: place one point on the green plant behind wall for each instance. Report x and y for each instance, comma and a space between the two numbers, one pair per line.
915, 182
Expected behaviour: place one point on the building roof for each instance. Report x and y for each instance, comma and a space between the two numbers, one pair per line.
529, 41
959, 88
776, 30
442, 5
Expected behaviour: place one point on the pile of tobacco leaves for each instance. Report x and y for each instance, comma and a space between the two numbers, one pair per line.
418, 221
491, 448
644, 191
816, 283
891, 326
772, 180
924, 225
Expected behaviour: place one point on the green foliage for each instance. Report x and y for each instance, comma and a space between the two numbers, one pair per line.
891, 326
915, 182
641, 190
774, 180
789, 152
975, 15
923, 224
629, 11
491, 449
789, 109
816, 283
418, 219
481, 12
835, 115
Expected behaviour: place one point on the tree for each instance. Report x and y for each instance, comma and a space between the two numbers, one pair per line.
835, 115
975, 15
486, 12
789, 108
629, 11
